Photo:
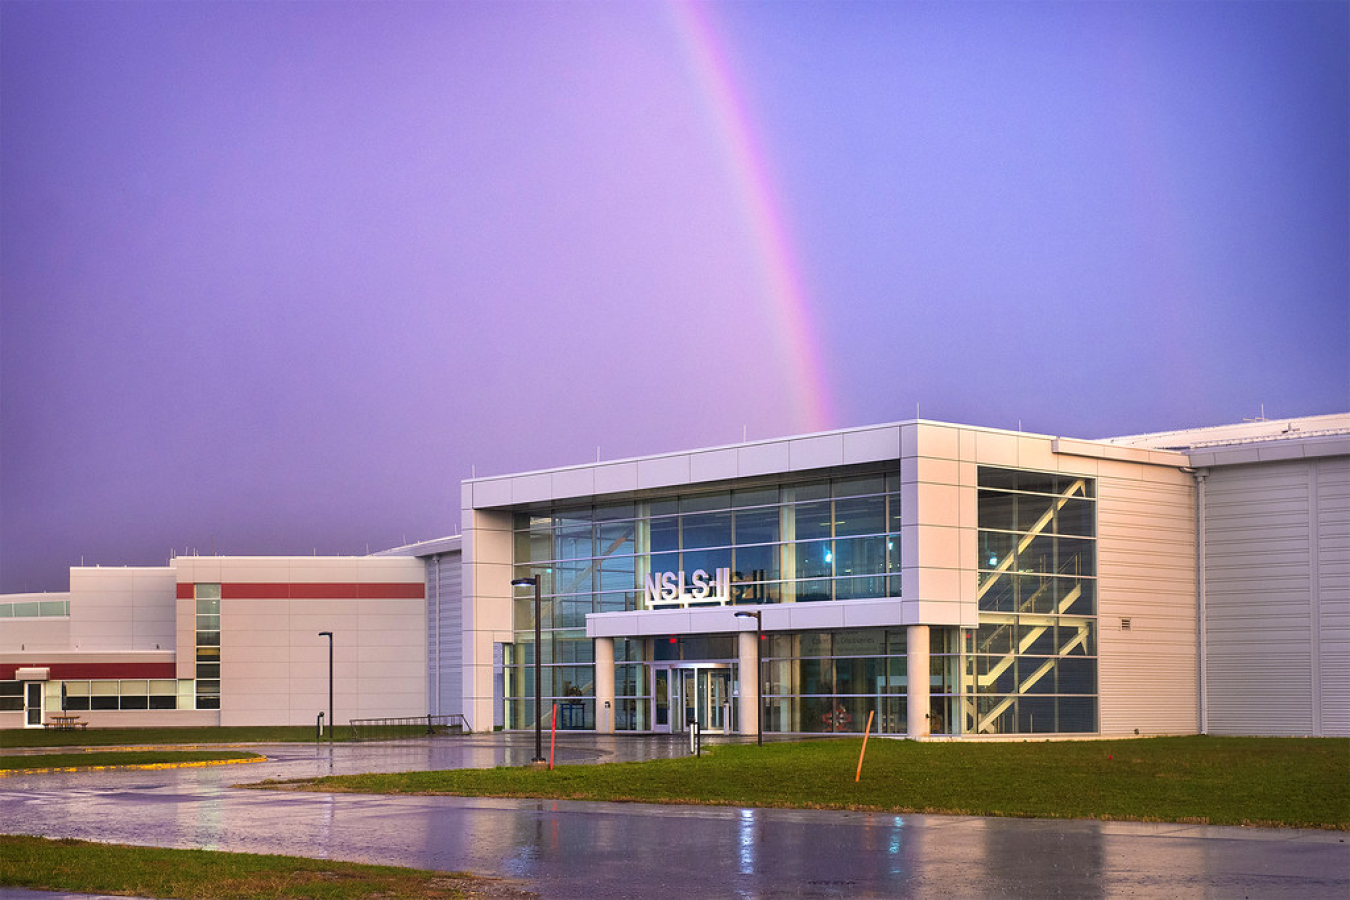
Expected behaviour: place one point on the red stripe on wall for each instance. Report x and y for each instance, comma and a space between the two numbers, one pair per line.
70, 671
393, 591
185, 590
414, 590
255, 591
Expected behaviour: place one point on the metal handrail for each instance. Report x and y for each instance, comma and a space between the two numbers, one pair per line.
395, 727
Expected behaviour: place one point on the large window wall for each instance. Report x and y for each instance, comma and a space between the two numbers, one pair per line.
827, 538
1032, 664
830, 681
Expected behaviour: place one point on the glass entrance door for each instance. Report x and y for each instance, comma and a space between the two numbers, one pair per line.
715, 700
661, 700
684, 694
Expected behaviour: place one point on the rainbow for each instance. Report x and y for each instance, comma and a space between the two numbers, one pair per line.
790, 313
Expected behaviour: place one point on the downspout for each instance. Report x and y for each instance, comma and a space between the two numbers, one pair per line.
1200, 612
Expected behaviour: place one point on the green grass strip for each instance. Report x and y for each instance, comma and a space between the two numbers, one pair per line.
108, 758
82, 867
1289, 782
108, 737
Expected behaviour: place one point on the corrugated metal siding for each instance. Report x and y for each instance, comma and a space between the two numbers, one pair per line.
445, 643
1276, 571
1146, 574
1333, 583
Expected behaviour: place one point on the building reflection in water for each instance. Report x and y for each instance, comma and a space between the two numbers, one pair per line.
747, 841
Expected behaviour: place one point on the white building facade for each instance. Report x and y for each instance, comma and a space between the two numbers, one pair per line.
917, 579
935, 579
219, 641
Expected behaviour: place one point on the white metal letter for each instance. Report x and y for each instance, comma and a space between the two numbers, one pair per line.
700, 584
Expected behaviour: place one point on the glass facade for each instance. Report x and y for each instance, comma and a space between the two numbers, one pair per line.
1031, 666
829, 681
828, 538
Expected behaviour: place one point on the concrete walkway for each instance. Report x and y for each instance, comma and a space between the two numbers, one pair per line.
602, 850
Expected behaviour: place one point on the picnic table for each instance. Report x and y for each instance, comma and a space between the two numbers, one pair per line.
64, 722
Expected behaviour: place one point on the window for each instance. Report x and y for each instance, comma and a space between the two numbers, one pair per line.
11, 696
1033, 660
207, 598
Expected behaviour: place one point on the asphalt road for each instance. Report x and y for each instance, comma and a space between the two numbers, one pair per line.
604, 850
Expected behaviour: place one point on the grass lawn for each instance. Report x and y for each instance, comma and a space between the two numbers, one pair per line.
79, 866
1291, 782
122, 758
108, 737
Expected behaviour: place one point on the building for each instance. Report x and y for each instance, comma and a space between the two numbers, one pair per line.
210, 640
919, 579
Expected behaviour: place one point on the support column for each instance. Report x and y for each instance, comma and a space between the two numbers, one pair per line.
916, 671
604, 685
748, 656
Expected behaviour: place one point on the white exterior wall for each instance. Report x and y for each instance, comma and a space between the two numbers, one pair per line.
274, 664
487, 619
33, 634
121, 608
1277, 555
939, 535
118, 617
1148, 675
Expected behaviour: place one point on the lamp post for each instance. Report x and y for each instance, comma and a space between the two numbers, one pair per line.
538, 667
331, 722
759, 676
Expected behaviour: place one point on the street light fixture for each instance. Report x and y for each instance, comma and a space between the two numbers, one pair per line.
759, 674
538, 670
331, 723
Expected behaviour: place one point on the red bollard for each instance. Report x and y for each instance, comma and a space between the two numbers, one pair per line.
553, 737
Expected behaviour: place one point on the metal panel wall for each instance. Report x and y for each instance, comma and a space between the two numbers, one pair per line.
1146, 619
445, 643
1333, 594
1276, 603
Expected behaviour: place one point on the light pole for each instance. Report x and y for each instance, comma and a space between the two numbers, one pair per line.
331, 723
759, 675
538, 667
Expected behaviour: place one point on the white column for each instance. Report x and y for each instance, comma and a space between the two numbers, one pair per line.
747, 647
916, 670
604, 685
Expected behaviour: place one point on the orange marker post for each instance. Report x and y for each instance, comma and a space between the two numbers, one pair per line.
553, 737
858, 777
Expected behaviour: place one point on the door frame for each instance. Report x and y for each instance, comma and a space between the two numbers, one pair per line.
34, 714
679, 679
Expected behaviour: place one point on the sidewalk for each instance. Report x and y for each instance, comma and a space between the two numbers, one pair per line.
611, 850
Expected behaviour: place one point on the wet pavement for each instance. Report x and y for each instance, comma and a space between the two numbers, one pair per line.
607, 850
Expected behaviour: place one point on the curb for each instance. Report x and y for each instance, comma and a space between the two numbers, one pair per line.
196, 764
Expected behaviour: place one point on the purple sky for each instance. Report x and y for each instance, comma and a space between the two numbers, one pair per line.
274, 277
